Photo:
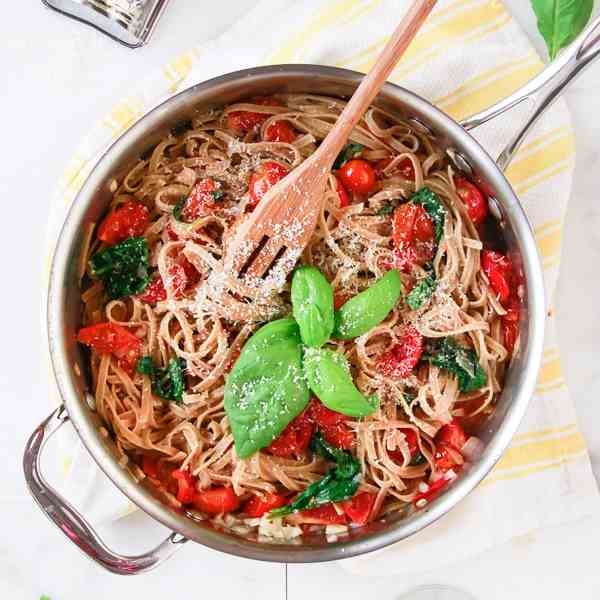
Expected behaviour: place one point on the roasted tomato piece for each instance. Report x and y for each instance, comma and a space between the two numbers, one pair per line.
323, 515
262, 180
404, 168
150, 466
413, 236
109, 338
359, 508
342, 193
413, 446
202, 199
358, 176
186, 486
216, 500
452, 434
128, 220
280, 131
332, 425
245, 120
510, 324
294, 439
404, 356
474, 200
499, 271
257, 506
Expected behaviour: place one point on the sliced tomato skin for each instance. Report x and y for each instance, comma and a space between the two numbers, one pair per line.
186, 486
404, 356
130, 219
359, 508
280, 131
262, 180
216, 500
257, 506
109, 338
323, 515
294, 439
358, 176
499, 271
245, 120
474, 200
342, 193
404, 168
332, 425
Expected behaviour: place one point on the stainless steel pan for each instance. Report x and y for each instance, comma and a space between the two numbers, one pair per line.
64, 308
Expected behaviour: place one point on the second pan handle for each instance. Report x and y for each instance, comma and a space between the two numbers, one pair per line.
543, 89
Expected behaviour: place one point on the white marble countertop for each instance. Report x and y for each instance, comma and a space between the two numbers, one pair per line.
61, 76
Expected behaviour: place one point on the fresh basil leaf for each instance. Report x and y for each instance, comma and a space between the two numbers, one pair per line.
312, 302
349, 152
462, 362
328, 376
421, 292
339, 484
367, 309
266, 388
167, 383
561, 21
123, 267
435, 208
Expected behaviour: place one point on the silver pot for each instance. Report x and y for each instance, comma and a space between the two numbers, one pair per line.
64, 308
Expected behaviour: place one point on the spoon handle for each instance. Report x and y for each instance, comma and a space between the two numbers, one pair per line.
377, 76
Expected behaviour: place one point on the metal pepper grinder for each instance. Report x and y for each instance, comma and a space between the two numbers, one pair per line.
129, 22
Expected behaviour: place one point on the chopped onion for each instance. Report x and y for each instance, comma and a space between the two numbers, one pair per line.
472, 449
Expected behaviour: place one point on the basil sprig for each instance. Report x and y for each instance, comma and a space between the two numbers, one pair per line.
123, 268
348, 153
266, 388
422, 291
312, 301
460, 361
167, 383
561, 21
367, 309
328, 376
431, 202
340, 483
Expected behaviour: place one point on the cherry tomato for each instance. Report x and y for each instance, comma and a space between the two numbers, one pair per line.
246, 120
150, 466
332, 425
216, 500
434, 490
404, 168
280, 131
201, 200
443, 459
186, 486
261, 181
499, 271
109, 338
129, 220
413, 236
342, 193
474, 200
323, 515
294, 439
510, 324
404, 356
358, 176
413, 446
257, 506
452, 434
358, 508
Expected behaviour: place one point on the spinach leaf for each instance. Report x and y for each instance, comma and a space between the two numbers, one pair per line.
123, 268
328, 376
462, 362
431, 202
367, 309
167, 383
266, 388
349, 152
561, 21
421, 292
340, 483
312, 301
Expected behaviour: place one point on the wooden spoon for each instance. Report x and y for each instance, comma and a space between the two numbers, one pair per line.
266, 246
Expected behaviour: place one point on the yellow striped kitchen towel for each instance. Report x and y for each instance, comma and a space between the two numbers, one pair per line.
469, 55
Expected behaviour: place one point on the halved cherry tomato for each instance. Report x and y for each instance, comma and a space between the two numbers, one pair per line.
474, 200
201, 200
443, 459
245, 120
510, 324
186, 486
294, 439
405, 168
404, 356
358, 508
434, 490
150, 466
261, 181
216, 500
129, 220
257, 506
156, 292
499, 271
358, 176
323, 515
280, 131
452, 434
412, 233
332, 425
109, 338
413, 446
342, 193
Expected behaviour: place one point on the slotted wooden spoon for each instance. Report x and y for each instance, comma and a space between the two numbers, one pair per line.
267, 244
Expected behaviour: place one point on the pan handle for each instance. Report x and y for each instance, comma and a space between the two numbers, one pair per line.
71, 522
544, 88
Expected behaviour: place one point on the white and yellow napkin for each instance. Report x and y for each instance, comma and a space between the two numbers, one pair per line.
469, 55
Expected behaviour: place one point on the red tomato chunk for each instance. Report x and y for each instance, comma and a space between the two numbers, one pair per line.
201, 200
358, 176
128, 220
359, 508
257, 506
261, 181
332, 425
294, 439
216, 500
404, 356
499, 271
280, 131
246, 120
474, 200
323, 515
